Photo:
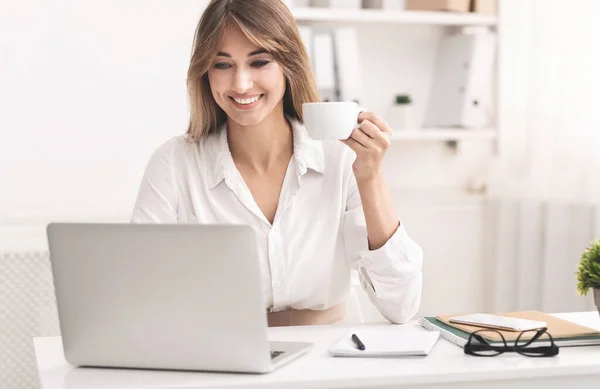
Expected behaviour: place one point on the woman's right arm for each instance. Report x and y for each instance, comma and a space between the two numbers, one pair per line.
157, 197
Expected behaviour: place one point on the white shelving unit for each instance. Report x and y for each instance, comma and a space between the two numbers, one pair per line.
434, 134
367, 17
381, 16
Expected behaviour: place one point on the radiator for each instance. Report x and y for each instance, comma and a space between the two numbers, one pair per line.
531, 252
27, 309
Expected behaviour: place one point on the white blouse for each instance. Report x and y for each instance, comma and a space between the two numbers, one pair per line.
318, 234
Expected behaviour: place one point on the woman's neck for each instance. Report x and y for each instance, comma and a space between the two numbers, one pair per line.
260, 147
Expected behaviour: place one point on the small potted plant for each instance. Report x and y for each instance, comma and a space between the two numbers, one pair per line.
588, 272
400, 114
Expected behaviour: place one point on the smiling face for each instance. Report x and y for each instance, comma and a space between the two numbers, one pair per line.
246, 82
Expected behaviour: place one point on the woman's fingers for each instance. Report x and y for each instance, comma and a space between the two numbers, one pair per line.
376, 120
379, 138
354, 145
362, 138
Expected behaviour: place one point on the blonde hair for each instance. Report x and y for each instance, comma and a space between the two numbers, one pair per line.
269, 25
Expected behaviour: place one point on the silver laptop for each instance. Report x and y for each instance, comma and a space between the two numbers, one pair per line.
163, 296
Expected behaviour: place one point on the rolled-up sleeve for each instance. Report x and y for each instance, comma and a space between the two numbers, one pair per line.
391, 275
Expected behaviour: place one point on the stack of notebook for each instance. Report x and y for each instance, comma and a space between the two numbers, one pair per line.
564, 333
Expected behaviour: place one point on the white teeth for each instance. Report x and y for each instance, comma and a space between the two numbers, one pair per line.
246, 101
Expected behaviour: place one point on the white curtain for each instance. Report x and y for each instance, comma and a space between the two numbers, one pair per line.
545, 184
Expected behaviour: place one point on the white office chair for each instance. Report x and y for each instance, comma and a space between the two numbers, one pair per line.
27, 310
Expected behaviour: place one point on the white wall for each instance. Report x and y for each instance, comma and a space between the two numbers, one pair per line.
545, 186
89, 89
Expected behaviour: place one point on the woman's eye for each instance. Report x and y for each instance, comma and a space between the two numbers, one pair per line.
260, 64
222, 65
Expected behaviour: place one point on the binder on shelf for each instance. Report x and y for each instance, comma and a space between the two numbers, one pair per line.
324, 65
352, 4
460, 95
396, 5
306, 34
299, 3
347, 64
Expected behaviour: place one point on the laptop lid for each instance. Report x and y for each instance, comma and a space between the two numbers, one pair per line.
165, 296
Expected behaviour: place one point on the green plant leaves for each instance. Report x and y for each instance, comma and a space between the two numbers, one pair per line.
588, 272
403, 99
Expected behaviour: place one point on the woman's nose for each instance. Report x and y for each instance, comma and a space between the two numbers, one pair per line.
242, 81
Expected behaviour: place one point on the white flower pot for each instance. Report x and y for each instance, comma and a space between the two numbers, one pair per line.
400, 117
597, 298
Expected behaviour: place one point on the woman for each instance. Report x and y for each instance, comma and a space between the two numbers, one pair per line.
319, 209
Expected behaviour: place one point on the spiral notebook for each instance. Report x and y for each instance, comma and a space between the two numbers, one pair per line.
392, 341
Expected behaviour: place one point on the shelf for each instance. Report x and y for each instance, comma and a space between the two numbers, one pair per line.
443, 135
383, 16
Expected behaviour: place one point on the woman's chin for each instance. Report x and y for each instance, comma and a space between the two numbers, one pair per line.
247, 119
251, 117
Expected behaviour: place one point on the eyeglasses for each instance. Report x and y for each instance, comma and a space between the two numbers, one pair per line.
540, 344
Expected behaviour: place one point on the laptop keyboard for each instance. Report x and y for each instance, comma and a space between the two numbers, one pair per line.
275, 354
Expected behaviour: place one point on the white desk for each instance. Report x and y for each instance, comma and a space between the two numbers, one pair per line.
447, 366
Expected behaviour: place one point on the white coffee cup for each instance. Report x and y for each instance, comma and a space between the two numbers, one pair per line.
332, 120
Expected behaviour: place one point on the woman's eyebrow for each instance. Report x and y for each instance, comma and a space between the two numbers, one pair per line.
255, 52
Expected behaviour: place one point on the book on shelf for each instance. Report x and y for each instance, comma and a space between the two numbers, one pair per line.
563, 332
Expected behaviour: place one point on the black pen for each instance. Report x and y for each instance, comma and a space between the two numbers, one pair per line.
358, 343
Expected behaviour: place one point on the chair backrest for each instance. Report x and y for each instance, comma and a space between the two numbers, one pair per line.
28, 309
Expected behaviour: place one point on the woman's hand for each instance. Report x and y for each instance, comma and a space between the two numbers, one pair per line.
369, 142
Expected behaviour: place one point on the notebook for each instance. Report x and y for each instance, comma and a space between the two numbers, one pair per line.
564, 333
392, 341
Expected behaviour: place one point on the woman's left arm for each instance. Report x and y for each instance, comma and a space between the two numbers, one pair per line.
369, 143
390, 269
